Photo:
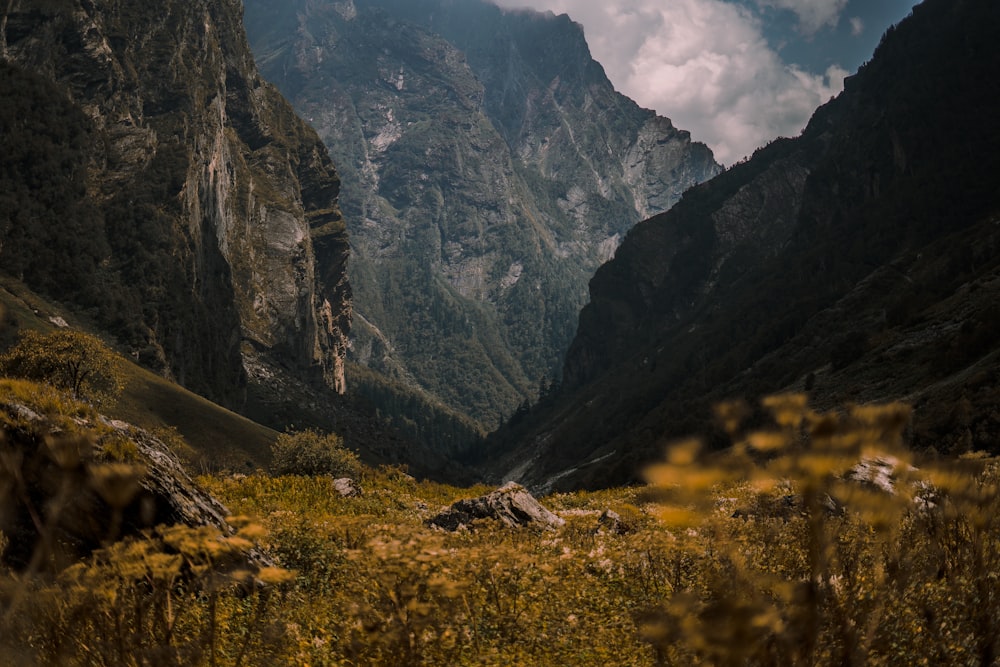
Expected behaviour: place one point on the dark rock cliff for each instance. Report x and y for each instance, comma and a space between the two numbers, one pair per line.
152, 178
857, 262
488, 168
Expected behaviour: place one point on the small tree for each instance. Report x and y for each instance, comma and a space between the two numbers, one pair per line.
71, 360
311, 452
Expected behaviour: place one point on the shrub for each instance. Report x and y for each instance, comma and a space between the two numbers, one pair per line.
311, 452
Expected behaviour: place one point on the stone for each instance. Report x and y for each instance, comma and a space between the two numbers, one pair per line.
878, 472
347, 487
612, 522
511, 505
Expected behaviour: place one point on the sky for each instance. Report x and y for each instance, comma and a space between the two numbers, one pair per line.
735, 73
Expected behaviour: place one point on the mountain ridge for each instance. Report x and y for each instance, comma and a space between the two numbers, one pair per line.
820, 264
482, 186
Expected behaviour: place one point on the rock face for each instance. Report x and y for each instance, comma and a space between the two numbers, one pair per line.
511, 505
488, 168
194, 214
846, 262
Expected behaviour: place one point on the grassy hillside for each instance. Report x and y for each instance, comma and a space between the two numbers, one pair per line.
215, 437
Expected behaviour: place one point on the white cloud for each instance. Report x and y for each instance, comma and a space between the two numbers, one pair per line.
857, 26
812, 14
703, 63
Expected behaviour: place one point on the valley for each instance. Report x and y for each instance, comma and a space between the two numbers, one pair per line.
371, 332
485, 175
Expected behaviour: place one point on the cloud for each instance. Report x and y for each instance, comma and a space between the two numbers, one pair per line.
703, 63
812, 14
857, 26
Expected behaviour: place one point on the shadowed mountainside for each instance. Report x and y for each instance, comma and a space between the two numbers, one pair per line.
857, 262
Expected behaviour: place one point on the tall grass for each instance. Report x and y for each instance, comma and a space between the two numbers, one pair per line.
783, 551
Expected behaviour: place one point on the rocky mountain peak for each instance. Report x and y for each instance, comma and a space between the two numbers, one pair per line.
488, 168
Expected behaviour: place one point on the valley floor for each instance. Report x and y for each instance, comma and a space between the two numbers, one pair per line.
836, 553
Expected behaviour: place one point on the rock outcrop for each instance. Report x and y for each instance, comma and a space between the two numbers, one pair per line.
198, 213
511, 505
346, 487
62, 495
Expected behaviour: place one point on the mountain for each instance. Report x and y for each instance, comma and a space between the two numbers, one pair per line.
153, 180
857, 262
488, 168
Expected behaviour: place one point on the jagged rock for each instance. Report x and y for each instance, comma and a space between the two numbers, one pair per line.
347, 487
174, 495
511, 504
58, 496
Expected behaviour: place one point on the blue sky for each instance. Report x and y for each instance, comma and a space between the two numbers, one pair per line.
735, 73
848, 42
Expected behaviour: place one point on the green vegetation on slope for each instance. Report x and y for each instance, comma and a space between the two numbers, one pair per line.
49, 234
415, 414
215, 437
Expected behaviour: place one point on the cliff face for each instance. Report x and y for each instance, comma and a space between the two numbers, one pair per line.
206, 211
857, 262
488, 168
559, 114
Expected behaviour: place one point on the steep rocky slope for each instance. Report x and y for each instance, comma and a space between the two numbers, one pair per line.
488, 168
857, 262
152, 178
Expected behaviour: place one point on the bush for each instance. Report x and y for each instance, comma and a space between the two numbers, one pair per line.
70, 360
840, 551
310, 452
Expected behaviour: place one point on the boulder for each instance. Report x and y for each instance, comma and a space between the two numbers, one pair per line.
878, 472
511, 505
347, 487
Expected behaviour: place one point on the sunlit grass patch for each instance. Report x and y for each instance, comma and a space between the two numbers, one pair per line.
781, 552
